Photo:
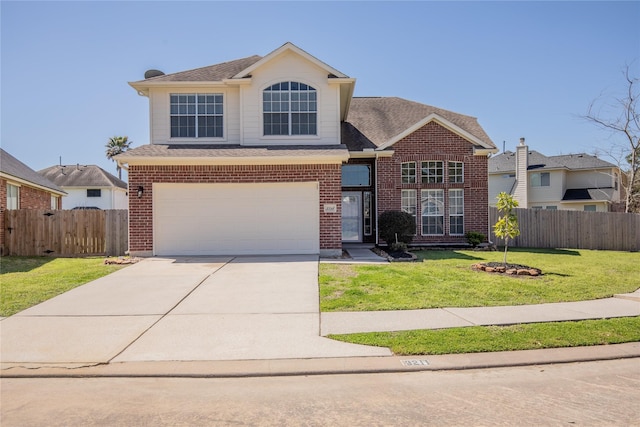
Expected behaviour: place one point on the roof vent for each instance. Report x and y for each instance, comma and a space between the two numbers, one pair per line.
153, 73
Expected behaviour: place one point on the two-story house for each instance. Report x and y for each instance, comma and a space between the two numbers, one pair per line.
569, 182
274, 155
88, 186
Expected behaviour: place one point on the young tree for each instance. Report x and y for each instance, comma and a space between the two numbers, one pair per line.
621, 117
117, 145
507, 225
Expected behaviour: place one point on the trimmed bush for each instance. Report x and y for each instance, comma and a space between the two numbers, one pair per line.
396, 223
474, 238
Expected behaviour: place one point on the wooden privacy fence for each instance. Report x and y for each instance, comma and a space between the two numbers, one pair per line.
573, 229
70, 233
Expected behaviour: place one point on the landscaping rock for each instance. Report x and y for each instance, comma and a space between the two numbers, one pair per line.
510, 269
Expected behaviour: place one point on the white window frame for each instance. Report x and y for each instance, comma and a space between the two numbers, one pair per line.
456, 172
288, 106
201, 111
13, 197
432, 172
408, 203
99, 190
591, 208
537, 179
432, 212
54, 202
456, 210
408, 173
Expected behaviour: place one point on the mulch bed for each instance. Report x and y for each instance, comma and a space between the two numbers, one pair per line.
510, 269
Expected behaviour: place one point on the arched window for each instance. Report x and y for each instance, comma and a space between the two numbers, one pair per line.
290, 108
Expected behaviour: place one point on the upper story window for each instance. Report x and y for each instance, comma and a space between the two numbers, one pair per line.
356, 176
290, 108
196, 115
456, 172
408, 171
94, 192
432, 172
13, 197
540, 179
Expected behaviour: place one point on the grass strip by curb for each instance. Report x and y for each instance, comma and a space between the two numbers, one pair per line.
479, 339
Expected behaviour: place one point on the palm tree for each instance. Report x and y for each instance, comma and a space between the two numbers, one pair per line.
117, 145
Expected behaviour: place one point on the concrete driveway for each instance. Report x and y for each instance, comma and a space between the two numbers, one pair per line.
181, 309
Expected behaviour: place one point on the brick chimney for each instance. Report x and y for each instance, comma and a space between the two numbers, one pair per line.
520, 192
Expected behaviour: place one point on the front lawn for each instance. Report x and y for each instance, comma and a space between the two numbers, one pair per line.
27, 281
446, 279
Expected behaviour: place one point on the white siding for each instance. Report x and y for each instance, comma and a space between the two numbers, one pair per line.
291, 67
599, 178
159, 100
109, 198
499, 183
547, 195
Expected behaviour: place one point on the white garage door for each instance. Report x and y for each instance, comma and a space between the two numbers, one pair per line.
236, 219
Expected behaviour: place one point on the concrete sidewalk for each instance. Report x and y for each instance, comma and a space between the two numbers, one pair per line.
439, 318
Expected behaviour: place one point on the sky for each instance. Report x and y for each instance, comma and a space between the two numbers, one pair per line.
524, 69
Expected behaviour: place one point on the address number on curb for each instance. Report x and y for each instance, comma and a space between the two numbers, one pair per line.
415, 362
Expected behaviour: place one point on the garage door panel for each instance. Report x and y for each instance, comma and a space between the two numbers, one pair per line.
236, 219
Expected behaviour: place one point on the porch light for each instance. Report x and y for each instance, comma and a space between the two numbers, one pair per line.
140, 191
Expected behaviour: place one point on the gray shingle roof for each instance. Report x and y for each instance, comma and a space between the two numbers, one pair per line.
376, 120
81, 176
14, 167
211, 73
506, 162
232, 151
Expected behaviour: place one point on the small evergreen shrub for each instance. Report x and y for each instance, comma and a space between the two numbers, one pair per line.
396, 226
474, 238
398, 247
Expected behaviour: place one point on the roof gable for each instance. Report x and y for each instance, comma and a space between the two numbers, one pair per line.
385, 121
289, 47
12, 167
82, 176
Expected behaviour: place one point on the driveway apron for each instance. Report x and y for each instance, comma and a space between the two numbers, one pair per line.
199, 308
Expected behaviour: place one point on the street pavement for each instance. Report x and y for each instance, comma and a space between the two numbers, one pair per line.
239, 316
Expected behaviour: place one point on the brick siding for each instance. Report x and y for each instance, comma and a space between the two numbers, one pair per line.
434, 142
141, 209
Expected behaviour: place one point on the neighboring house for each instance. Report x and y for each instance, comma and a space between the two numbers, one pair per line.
274, 155
569, 182
23, 188
88, 187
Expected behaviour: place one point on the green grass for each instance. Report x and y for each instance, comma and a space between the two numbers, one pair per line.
479, 339
446, 279
27, 281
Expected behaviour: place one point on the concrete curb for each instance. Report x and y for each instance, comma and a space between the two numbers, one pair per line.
327, 366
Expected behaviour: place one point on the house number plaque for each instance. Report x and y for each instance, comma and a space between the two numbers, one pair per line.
330, 208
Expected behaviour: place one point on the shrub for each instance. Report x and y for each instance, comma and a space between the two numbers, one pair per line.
398, 247
396, 226
474, 238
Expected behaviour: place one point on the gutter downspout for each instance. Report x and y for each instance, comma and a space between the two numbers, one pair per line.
376, 202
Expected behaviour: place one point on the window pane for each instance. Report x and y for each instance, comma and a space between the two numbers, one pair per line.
408, 173
356, 176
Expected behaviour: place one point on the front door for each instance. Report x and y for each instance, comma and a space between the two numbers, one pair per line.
352, 216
